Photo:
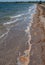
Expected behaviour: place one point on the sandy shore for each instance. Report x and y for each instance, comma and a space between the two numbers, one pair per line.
25, 48
38, 37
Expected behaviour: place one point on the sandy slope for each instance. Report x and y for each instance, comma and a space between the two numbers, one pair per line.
38, 37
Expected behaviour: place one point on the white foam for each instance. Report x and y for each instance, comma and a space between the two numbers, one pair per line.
27, 30
16, 16
26, 54
11, 22
31, 9
3, 35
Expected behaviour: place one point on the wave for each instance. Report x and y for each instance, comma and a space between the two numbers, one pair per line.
10, 22
32, 8
13, 19
19, 15
4, 34
16, 16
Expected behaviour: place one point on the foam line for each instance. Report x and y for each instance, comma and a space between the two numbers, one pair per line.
11, 22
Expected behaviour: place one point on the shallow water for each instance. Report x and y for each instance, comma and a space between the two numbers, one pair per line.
15, 37
22, 15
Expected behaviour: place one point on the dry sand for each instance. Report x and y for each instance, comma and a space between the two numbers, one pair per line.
38, 38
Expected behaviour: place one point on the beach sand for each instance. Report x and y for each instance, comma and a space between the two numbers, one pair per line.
18, 46
38, 38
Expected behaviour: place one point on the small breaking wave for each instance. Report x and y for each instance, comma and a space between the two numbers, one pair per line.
4, 34
13, 19
10, 22
31, 9
16, 16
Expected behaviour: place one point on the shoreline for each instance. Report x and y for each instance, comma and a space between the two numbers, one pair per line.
24, 59
16, 44
25, 42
